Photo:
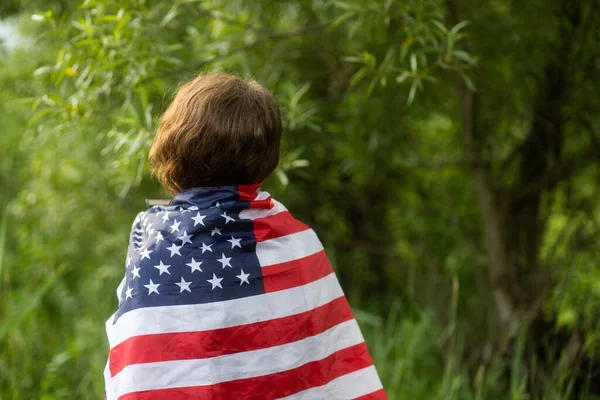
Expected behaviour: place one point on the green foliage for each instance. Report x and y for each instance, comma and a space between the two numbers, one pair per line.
375, 159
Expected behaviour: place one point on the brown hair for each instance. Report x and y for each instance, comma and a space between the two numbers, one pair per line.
219, 130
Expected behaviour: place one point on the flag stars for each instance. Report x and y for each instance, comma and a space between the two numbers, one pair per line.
152, 287
194, 265
185, 238
215, 231
135, 272
199, 219
206, 247
174, 249
183, 285
146, 253
225, 261
165, 216
243, 278
162, 268
159, 237
129, 260
227, 218
128, 293
175, 226
215, 282
235, 242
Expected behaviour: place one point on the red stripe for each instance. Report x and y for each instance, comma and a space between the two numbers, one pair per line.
296, 272
277, 225
248, 193
217, 342
266, 387
378, 395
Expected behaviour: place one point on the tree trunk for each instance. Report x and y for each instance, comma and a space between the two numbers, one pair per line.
501, 272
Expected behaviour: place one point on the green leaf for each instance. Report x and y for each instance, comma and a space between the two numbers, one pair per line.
359, 76
340, 19
412, 92
463, 55
440, 26
468, 82
171, 14
403, 77
456, 28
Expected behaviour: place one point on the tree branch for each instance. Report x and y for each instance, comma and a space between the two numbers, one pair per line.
555, 175
311, 29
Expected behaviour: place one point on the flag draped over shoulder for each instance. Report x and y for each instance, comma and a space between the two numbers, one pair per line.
227, 296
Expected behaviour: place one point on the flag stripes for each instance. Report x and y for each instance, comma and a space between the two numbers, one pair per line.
277, 225
272, 360
288, 248
278, 385
298, 340
297, 272
353, 385
230, 313
183, 345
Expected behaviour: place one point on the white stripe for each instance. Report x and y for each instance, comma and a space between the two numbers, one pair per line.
262, 196
230, 367
287, 248
224, 314
120, 288
107, 380
253, 213
349, 386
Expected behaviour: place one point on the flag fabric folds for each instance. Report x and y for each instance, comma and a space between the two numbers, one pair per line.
227, 296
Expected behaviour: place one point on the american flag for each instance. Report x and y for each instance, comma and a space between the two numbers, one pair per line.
227, 296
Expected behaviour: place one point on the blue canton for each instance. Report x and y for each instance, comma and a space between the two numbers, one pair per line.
196, 250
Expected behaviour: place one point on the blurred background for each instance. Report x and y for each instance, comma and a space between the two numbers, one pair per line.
447, 152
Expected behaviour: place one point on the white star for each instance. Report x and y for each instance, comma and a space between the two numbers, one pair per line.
199, 219
174, 249
234, 242
185, 238
216, 282
162, 268
128, 293
206, 247
224, 261
195, 265
218, 204
216, 230
152, 287
227, 217
151, 231
146, 253
175, 226
159, 237
243, 278
165, 216
129, 261
183, 285
135, 272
